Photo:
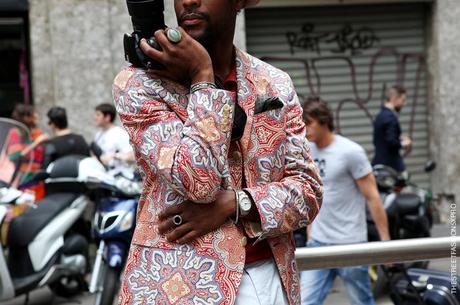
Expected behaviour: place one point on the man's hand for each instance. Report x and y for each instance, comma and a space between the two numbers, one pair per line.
197, 219
406, 143
39, 140
42, 138
185, 60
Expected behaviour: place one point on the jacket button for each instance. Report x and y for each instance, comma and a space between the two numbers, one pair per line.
236, 156
244, 241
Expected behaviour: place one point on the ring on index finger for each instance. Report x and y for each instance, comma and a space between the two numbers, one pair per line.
177, 220
173, 35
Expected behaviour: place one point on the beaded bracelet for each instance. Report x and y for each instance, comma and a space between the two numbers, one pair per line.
202, 85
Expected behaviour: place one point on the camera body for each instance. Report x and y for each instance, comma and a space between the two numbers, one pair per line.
147, 16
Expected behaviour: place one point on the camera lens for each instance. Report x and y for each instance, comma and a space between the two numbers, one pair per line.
146, 16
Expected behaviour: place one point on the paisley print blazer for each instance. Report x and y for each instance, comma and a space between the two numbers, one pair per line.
182, 142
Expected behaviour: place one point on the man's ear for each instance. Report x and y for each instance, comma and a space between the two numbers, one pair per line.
107, 118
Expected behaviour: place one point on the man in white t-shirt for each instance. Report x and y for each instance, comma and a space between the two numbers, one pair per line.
348, 185
113, 140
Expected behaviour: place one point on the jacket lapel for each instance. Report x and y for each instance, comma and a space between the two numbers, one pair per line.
247, 96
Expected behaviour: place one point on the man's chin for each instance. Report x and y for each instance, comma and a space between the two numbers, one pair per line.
193, 31
198, 34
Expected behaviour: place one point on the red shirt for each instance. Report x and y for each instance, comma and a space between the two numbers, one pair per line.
261, 250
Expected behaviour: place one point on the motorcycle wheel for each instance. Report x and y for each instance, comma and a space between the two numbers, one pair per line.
379, 282
69, 286
110, 285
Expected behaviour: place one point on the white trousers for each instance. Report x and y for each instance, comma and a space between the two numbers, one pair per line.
261, 285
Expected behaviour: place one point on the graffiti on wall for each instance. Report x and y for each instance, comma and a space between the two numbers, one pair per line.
347, 39
344, 45
362, 97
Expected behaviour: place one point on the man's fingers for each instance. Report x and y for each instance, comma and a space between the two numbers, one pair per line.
166, 225
170, 212
163, 40
183, 33
189, 237
178, 232
149, 51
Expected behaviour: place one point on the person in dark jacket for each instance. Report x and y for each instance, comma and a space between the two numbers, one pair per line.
65, 142
388, 139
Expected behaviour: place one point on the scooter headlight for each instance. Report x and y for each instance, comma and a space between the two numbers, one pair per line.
127, 222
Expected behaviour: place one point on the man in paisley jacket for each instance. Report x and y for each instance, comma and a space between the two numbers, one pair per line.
220, 203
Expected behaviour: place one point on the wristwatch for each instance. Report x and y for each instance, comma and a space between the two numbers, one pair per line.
244, 203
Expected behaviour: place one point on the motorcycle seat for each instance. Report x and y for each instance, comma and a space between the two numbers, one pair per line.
407, 204
24, 228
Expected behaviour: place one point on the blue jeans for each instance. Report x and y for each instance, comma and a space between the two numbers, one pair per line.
315, 284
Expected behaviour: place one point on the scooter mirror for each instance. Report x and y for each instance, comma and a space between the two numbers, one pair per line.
430, 165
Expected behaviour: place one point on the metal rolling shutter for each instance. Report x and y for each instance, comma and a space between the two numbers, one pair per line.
383, 44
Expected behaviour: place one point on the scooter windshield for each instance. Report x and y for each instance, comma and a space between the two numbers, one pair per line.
14, 137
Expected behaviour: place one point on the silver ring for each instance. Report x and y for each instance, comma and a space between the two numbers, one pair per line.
177, 220
173, 35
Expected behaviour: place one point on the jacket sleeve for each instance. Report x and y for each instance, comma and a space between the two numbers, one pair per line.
294, 201
392, 133
190, 156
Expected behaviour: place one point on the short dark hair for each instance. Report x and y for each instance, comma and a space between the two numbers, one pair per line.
107, 109
395, 90
319, 110
22, 111
58, 116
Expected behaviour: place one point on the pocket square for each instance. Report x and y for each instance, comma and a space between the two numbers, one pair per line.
264, 103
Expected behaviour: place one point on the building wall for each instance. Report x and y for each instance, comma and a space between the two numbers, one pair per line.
444, 69
77, 51
76, 48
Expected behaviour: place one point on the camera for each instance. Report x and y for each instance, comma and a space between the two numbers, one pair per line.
147, 16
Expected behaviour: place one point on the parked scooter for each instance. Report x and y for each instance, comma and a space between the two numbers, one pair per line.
409, 211
113, 227
413, 286
44, 246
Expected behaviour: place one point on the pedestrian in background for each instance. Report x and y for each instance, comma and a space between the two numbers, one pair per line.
348, 185
64, 142
113, 140
28, 152
388, 138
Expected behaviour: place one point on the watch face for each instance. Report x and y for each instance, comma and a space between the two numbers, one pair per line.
246, 204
